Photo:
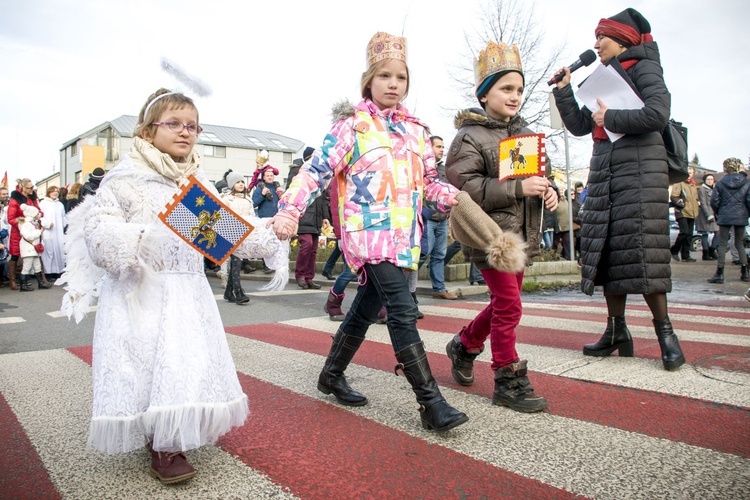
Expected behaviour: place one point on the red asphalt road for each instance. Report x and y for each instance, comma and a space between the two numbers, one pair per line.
331, 455
728, 356
303, 454
633, 321
29, 478
701, 423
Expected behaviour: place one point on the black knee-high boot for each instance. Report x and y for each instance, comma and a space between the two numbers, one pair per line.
434, 410
332, 379
671, 354
616, 337
233, 291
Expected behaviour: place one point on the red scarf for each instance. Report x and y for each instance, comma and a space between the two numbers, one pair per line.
599, 132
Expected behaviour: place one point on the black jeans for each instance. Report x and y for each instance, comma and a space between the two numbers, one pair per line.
682, 242
384, 284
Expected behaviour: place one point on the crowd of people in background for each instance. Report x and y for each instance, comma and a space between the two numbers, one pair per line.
699, 206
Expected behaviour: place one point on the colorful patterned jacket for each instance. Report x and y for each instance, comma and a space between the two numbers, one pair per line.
384, 166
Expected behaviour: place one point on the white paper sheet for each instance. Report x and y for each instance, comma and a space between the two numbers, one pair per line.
606, 84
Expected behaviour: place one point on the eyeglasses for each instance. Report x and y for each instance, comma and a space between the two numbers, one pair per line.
178, 127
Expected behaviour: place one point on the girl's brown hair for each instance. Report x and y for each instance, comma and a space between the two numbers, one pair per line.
74, 189
368, 75
145, 128
52, 188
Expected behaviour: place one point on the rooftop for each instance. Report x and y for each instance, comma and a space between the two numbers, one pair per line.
216, 135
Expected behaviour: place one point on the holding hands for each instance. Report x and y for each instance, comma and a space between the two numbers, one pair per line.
284, 225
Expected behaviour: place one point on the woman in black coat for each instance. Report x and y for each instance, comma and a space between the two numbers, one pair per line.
625, 226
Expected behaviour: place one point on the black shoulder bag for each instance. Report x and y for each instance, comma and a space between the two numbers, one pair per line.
675, 141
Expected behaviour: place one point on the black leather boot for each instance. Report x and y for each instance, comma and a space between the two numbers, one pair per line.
332, 379
616, 337
513, 389
42, 281
25, 286
705, 255
671, 354
713, 254
718, 277
434, 410
462, 361
744, 276
233, 292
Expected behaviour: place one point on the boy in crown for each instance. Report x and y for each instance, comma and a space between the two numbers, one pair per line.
472, 166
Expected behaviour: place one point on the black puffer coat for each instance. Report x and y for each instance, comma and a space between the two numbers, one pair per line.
311, 220
472, 166
731, 200
625, 225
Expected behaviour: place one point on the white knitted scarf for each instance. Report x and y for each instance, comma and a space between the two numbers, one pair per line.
144, 151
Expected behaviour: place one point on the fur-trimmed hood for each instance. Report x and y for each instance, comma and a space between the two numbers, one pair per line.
20, 198
342, 110
478, 116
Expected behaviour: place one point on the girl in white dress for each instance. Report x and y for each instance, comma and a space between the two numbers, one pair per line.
238, 200
163, 374
54, 221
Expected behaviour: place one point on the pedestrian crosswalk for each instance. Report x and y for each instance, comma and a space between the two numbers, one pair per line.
614, 427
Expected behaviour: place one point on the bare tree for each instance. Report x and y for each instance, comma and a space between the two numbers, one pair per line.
517, 22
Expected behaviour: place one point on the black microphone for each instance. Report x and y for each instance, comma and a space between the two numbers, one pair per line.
584, 59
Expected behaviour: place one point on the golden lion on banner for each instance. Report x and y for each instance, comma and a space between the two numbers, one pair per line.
205, 225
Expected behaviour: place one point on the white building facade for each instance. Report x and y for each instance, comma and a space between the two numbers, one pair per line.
222, 148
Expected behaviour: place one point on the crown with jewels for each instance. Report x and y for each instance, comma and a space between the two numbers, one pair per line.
385, 46
494, 59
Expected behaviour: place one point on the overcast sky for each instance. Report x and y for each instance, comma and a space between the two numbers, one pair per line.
68, 65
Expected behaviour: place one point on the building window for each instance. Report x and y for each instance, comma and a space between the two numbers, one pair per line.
278, 144
216, 151
255, 141
74, 149
209, 137
287, 157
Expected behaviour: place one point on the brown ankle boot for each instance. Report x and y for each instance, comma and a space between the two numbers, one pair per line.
170, 467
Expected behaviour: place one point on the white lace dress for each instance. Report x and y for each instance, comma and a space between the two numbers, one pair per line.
161, 363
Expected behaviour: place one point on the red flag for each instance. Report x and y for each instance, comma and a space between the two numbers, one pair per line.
5, 180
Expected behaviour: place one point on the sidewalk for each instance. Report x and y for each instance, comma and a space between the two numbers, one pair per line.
687, 277
456, 275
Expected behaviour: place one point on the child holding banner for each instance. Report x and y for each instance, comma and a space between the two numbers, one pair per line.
515, 204
163, 375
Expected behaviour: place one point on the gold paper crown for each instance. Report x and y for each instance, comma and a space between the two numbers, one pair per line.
385, 46
494, 59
